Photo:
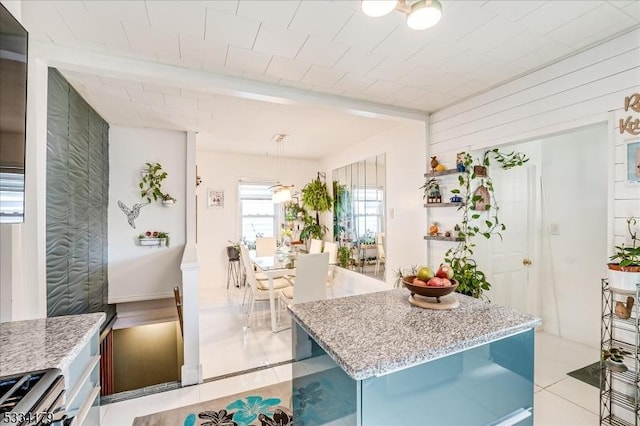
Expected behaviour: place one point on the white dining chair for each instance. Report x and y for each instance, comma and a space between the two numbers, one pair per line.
311, 279
258, 290
315, 246
331, 248
266, 246
381, 258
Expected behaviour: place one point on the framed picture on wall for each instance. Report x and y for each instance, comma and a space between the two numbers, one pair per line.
215, 198
633, 162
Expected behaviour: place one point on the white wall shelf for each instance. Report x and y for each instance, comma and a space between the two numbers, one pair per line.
442, 238
444, 204
152, 242
444, 173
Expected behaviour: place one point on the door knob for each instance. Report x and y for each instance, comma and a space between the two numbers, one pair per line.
526, 262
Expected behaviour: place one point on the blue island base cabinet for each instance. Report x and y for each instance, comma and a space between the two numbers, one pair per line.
491, 384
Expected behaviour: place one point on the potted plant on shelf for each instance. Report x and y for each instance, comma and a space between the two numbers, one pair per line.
614, 359
431, 191
154, 238
164, 238
233, 250
506, 161
344, 256
624, 271
486, 222
151, 184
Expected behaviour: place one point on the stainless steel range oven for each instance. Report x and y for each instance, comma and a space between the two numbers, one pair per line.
35, 398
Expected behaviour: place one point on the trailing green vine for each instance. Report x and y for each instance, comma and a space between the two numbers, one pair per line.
471, 279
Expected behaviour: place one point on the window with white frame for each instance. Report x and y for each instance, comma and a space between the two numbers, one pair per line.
258, 214
367, 210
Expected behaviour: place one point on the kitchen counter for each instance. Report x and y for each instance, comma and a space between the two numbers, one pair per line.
378, 333
45, 343
375, 359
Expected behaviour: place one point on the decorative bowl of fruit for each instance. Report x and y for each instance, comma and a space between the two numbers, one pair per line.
430, 284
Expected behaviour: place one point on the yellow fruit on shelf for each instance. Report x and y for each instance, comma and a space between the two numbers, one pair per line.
440, 168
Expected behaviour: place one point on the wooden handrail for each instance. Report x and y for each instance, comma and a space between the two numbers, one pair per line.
176, 296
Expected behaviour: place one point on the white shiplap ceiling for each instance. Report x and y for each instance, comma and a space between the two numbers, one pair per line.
320, 46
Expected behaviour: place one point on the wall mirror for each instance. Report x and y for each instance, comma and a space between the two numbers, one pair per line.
359, 216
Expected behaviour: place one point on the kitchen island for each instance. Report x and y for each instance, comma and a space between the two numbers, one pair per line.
67, 349
375, 359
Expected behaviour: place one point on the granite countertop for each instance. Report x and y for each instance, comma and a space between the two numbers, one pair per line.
378, 333
44, 343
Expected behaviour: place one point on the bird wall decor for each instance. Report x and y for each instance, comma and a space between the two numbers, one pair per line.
131, 213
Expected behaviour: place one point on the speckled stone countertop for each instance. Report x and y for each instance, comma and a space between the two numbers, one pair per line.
44, 343
378, 333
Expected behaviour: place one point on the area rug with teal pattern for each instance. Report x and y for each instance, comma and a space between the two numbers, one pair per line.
267, 406
321, 397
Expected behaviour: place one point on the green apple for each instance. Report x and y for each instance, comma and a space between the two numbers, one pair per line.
425, 273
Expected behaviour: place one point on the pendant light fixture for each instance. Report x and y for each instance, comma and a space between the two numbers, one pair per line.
421, 14
280, 193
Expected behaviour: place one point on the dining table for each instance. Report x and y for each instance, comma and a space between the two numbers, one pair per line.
279, 264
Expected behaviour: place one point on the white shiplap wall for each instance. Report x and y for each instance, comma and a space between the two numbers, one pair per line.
583, 89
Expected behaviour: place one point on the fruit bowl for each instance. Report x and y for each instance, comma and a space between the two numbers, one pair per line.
436, 292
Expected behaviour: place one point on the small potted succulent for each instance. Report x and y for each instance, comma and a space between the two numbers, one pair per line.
164, 238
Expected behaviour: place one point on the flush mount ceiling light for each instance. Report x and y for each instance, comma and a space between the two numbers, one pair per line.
421, 14
376, 8
281, 193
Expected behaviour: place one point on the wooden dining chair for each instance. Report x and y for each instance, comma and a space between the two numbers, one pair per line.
258, 290
311, 279
266, 246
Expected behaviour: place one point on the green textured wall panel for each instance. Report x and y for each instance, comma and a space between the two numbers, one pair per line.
77, 201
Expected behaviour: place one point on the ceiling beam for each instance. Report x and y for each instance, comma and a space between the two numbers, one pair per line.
126, 68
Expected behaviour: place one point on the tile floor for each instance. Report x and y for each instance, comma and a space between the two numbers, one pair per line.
229, 347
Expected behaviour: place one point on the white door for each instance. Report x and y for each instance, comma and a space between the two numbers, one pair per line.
509, 263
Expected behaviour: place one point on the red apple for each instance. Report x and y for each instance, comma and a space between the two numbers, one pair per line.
446, 282
444, 271
155, 233
419, 282
435, 282
148, 233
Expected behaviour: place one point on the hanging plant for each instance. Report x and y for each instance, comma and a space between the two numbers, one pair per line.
315, 196
151, 183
